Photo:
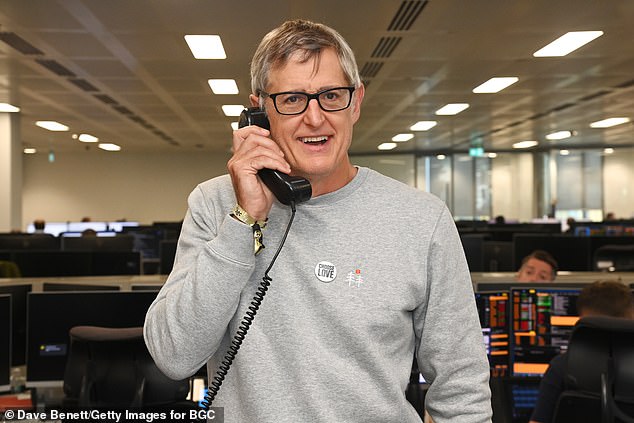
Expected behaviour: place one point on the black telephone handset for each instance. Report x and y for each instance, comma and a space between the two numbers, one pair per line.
288, 189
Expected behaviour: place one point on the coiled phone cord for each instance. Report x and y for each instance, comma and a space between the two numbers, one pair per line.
245, 324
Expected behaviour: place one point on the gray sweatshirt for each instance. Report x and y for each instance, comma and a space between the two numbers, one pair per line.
370, 275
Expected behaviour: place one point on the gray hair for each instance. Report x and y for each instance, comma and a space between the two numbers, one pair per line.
304, 37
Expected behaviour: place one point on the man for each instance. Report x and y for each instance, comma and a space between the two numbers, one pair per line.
601, 298
39, 225
324, 347
538, 266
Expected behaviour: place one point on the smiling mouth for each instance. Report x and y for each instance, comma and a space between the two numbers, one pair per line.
314, 140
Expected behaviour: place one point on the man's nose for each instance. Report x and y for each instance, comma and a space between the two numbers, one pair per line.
313, 115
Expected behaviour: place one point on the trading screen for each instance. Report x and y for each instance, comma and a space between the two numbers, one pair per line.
542, 320
493, 309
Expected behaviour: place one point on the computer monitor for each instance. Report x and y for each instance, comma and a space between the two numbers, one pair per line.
52, 314
103, 241
61, 286
53, 228
507, 285
498, 256
118, 226
28, 242
493, 310
472, 245
542, 319
146, 240
77, 263
167, 253
82, 226
520, 394
18, 295
80, 234
572, 253
5, 342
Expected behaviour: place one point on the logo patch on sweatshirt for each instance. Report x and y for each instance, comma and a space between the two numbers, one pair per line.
354, 279
325, 271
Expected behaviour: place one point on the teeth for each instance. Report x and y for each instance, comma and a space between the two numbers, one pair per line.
307, 140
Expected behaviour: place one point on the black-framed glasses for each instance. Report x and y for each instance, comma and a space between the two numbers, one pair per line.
296, 102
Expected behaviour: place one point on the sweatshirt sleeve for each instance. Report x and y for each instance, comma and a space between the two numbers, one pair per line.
451, 354
214, 260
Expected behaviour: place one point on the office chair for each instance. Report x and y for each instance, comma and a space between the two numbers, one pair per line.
599, 376
111, 367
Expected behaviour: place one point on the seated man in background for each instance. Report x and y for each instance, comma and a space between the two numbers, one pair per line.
538, 266
39, 225
601, 298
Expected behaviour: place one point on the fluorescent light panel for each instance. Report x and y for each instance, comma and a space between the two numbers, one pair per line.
564, 152
559, 135
495, 84
223, 86
206, 46
387, 146
87, 138
567, 43
423, 125
8, 108
51, 125
607, 123
452, 109
29, 150
109, 147
525, 144
402, 137
232, 109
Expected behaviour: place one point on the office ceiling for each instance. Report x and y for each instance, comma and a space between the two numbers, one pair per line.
121, 70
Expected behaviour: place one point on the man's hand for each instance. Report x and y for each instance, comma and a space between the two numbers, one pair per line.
252, 151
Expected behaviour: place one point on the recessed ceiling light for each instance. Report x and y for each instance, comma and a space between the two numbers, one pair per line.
564, 152
559, 135
387, 146
492, 155
109, 147
608, 150
206, 46
87, 138
567, 43
232, 109
223, 86
441, 157
525, 144
29, 150
452, 109
402, 137
8, 108
51, 125
423, 125
496, 84
607, 123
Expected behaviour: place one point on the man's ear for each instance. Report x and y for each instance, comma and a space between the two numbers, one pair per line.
359, 93
255, 100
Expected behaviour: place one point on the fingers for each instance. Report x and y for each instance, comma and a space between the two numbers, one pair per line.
254, 150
